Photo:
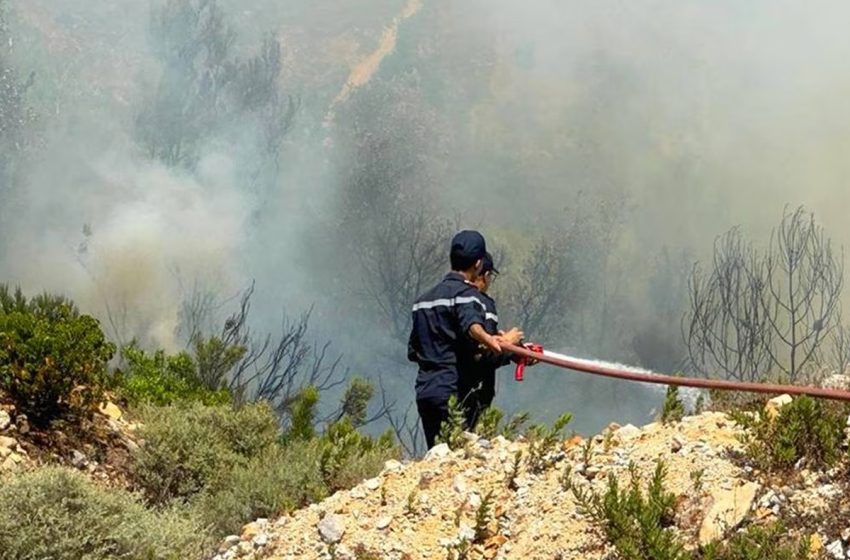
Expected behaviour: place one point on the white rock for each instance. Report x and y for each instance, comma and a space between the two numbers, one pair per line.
342, 552
466, 533
332, 528
836, 549
438, 452
357, 493
392, 466
5, 420
627, 432
474, 500
8, 442
459, 484
260, 540
727, 511
384, 522
229, 542
373, 484
78, 459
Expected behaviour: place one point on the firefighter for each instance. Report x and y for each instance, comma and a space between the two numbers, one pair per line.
448, 322
478, 371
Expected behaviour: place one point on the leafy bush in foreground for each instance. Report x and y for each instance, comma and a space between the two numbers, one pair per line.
187, 446
808, 429
59, 514
52, 359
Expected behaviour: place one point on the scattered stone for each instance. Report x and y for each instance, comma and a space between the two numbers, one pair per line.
5, 452
773, 405
836, 549
8, 442
392, 466
676, 444
373, 484
229, 542
439, 451
111, 410
357, 493
384, 522
459, 484
332, 528
23, 424
342, 552
78, 459
425, 479
260, 540
5, 420
728, 509
627, 432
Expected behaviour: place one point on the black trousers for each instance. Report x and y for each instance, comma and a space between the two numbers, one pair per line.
433, 413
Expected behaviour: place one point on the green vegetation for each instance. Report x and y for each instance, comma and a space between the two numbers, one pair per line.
209, 461
451, 432
640, 526
543, 442
52, 359
673, 410
161, 379
807, 429
58, 513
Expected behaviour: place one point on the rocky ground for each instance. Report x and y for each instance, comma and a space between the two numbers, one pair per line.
427, 509
100, 448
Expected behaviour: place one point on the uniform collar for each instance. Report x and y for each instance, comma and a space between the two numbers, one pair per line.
458, 276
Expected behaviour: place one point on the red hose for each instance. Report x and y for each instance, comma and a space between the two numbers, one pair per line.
607, 371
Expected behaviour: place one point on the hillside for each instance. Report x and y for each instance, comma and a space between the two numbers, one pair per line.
427, 509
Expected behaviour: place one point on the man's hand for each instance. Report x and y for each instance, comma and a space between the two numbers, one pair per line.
478, 333
513, 336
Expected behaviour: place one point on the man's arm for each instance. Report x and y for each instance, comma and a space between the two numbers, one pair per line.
477, 333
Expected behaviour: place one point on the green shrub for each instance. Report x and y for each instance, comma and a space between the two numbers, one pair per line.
187, 446
451, 430
278, 480
302, 415
52, 359
759, 543
637, 524
673, 410
162, 379
348, 456
59, 514
808, 429
489, 423
355, 401
543, 441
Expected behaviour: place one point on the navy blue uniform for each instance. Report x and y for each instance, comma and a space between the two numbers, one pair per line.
439, 337
478, 371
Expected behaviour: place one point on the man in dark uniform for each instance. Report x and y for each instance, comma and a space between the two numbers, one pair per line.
478, 371
448, 321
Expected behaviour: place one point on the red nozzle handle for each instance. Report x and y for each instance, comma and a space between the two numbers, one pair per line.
523, 361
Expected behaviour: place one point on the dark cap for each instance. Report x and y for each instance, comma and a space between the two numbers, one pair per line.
488, 265
468, 246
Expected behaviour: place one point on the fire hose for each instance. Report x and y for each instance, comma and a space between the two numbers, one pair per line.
536, 353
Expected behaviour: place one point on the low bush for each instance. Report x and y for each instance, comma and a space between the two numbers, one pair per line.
543, 441
759, 543
348, 456
638, 524
278, 480
187, 446
674, 409
807, 429
161, 379
53, 361
59, 514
